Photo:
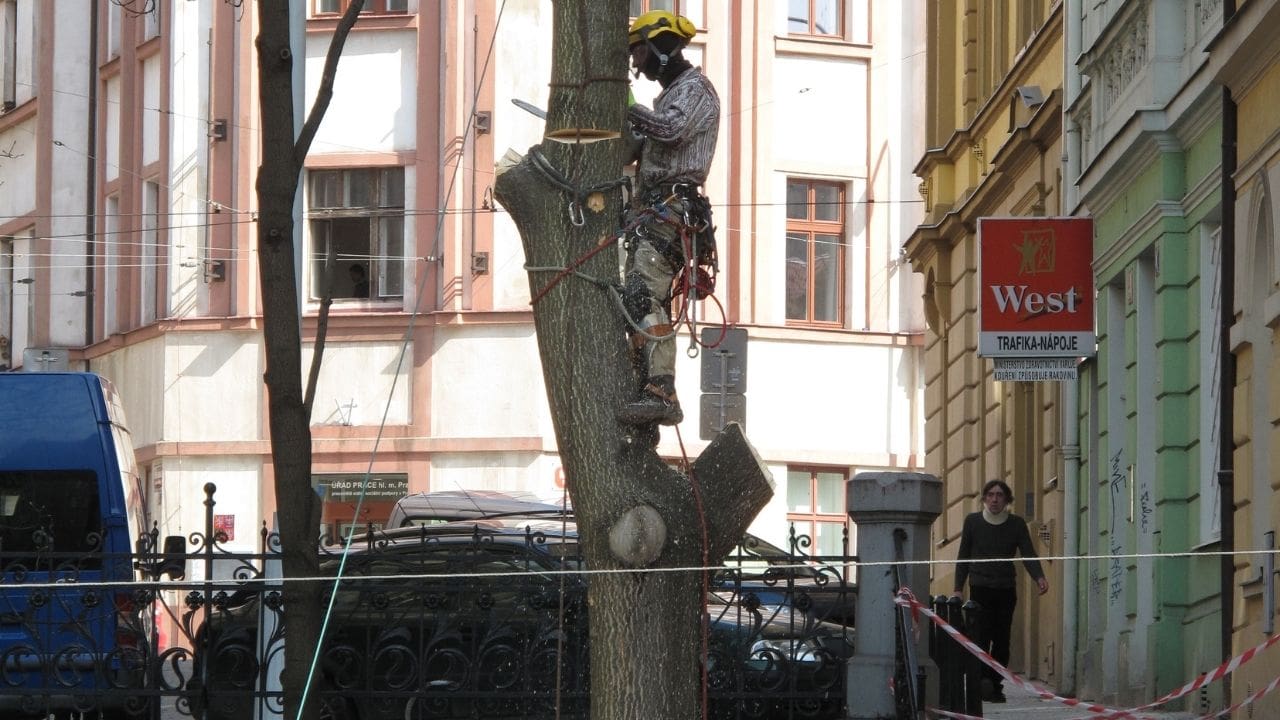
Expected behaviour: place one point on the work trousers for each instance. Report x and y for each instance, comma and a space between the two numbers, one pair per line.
653, 257
995, 624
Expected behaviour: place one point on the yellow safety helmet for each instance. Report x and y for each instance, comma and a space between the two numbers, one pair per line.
656, 22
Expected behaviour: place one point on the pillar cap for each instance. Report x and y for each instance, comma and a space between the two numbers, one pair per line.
872, 495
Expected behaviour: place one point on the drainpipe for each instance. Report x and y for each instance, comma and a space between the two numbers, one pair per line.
1071, 390
90, 184
1227, 381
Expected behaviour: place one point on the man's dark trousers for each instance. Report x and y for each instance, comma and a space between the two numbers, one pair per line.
996, 624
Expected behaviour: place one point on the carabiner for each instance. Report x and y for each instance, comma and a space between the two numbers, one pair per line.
576, 218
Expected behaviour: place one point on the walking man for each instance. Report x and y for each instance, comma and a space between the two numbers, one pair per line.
994, 533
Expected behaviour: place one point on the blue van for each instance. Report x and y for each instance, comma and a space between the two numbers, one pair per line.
74, 633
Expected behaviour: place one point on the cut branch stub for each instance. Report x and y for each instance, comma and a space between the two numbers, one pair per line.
638, 537
735, 485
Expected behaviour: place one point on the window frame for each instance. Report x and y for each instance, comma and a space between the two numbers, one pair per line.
371, 7
842, 21
806, 522
376, 214
812, 227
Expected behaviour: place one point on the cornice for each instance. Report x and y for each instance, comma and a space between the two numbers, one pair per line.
1247, 45
1028, 142
1136, 236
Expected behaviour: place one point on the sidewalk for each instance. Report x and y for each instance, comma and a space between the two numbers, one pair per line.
1022, 705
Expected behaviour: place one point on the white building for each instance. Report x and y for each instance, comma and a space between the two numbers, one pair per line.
128, 148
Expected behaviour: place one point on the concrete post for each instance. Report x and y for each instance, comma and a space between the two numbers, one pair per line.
882, 503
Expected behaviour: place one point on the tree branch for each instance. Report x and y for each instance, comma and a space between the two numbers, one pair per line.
322, 328
308, 133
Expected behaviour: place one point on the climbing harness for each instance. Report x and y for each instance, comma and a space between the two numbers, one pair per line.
693, 250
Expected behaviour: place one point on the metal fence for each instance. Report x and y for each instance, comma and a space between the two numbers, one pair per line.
458, 622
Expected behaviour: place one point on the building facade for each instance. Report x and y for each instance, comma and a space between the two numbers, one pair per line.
1247, 65
995, 145
128, 151
1147, 138
1153, 467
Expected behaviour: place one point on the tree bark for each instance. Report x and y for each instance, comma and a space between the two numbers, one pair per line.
633, 511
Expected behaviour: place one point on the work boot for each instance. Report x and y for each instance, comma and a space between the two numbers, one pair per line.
657, 404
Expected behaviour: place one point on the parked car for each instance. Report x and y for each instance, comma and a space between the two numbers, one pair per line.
476, 619
774, 575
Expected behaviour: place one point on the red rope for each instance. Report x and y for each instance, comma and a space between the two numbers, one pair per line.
702, 519
567, 271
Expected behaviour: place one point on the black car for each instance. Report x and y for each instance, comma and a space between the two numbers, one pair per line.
479, 619
776, 576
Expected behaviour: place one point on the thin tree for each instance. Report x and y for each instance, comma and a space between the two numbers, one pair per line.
288, 407
634, 513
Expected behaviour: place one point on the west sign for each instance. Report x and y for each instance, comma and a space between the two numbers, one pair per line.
1037, 287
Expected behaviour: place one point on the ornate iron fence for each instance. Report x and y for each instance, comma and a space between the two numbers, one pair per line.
485, 620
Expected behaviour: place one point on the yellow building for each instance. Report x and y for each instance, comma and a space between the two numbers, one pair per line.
1249, 69
994, 133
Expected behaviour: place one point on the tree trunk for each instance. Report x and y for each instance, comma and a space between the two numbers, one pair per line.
288, 412
633, 512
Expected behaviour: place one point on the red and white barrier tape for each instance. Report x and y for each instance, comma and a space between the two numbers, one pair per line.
906, 599
1247, 701
1214, 675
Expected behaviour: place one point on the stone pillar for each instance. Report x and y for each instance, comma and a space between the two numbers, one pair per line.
884, 504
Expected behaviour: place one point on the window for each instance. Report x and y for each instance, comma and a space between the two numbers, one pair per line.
147, 268
111, 264
372, 7
6, 303
151, 21
815, 17
17, 53
815, 252
692, 9
359, 216
815, 507
8, 54
115, 19
16, 281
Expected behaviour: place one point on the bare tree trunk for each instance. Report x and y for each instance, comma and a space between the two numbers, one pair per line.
633, 511
287, 404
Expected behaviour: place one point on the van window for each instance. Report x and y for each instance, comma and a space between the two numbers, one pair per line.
49, 511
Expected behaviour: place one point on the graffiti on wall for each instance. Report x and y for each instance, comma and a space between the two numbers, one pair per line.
1119, 490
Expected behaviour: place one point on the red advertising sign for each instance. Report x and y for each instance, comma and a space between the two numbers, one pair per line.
1036, 279
224, 527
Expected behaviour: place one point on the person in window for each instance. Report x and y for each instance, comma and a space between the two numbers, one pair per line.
359, 281
990, 534
676, 141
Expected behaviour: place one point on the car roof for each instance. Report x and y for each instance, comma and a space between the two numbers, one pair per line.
453, 505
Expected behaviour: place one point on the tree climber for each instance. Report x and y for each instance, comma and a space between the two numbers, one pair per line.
669, 215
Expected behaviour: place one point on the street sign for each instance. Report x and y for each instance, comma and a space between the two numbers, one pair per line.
724, 367
724, 380
1049, 369
1036, 284
718, 410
